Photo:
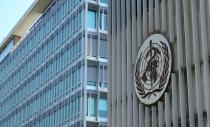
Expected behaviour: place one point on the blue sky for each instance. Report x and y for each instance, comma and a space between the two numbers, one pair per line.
10, 12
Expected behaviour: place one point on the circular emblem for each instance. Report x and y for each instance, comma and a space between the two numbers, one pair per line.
152, 69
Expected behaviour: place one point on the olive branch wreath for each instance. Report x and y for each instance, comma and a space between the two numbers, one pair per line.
163, 78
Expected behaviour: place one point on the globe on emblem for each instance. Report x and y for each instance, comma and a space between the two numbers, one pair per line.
152, 69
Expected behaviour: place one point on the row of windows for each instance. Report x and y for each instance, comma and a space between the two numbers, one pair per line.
6, 51
94, 21
42, 53
51, 69
66, 56
41, 29
62, 116
57, 90
65, 113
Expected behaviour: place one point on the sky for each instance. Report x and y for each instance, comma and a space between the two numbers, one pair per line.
10, 13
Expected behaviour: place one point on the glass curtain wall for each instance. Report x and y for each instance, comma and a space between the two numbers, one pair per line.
45, 69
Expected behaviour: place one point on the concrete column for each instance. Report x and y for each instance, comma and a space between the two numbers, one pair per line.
196, 48
180, 64
174, 100
157, 14
114, 66
151, 17
160, 114
204, 39
119, 67
171, 20
167, 110
188, 63
123, 74
163, 16
129, 66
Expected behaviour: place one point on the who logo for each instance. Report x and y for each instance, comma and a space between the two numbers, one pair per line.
152, 69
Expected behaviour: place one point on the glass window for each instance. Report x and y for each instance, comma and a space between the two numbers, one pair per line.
72, 108
101, 76
92, 73
91, 19
80, 46
105, 75
79, 75
105, 22
88, 47
87, 107
92, 106
101, 19
69, 82
75, 77
103, 107
104, 1
69, 111
103, 49
79, 104
76, 49
66, 111
91, 83
94, 47
80, 18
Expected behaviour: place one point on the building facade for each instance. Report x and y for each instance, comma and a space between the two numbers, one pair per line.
53, 66
186, 26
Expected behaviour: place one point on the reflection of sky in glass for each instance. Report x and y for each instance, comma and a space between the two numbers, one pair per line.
11, 12
92, 104
103, 108
91, 19
103, 104
104, 1
105, 22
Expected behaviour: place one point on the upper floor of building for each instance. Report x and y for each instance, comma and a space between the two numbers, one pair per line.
60, 21
46, 15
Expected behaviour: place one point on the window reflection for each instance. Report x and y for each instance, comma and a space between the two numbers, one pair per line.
91, 19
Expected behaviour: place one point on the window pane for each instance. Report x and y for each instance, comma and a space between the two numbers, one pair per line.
104, 1
102, 107
101, 75
105, 75
79, 104
88, 47
101, 20
92, 73
91, 83
91, 19
94, 47
105, 22
93, 106
80, 18
103, 49
87, 107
